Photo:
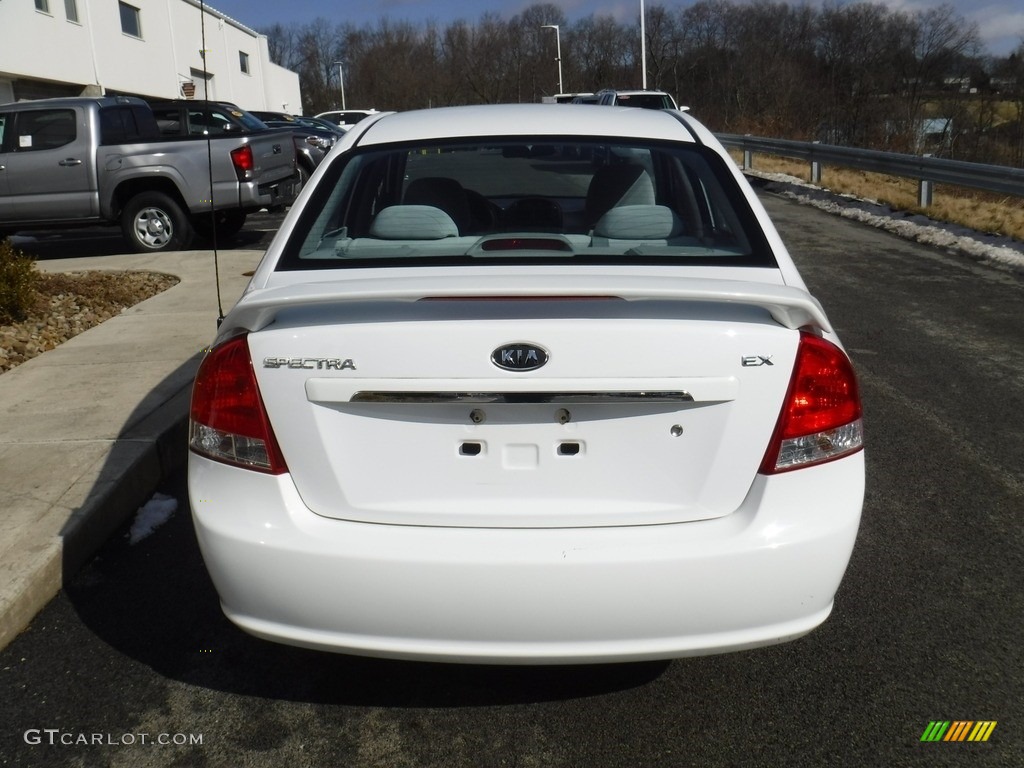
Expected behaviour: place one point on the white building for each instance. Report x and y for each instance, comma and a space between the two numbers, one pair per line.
150, 48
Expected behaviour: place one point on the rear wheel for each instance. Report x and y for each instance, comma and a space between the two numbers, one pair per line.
153, 222
303, 178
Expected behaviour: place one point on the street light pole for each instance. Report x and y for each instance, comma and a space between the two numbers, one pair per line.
643, 45
341, 80
558, 48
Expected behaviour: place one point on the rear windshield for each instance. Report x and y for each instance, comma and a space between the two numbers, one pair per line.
499, 201
645, 100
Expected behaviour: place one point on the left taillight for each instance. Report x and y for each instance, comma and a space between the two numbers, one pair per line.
227, 420
244, 162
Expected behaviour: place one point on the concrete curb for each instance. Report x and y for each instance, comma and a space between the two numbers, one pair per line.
91, 429
34, 575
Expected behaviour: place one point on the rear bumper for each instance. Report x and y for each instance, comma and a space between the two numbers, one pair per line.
763, 575
269, 194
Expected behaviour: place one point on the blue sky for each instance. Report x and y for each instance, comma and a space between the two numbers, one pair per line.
1001, 22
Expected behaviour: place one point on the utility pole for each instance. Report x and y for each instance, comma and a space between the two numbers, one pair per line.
341, 80
643, 45
558, 49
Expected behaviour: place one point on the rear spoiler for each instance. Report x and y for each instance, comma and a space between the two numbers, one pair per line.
790, 307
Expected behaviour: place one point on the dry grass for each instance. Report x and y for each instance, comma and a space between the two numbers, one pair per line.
981, 211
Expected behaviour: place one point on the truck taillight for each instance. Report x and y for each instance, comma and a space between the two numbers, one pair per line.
821, 417
227, 420
244, 162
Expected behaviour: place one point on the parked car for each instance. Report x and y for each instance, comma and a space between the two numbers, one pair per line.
72, 162
643, 99
336, 131
346, 118
518, 384
193, 117
319, 122
312, 142
568, 98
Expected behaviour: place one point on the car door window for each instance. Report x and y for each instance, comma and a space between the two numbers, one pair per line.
44, 129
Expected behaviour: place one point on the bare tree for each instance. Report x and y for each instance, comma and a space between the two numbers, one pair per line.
600, 53
854, 73
933, 50
706, 81
282, 45
855, 51
1010, 86
394, 65
536, 50
773, 65
663, 41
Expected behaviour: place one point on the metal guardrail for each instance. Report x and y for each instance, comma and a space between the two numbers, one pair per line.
927, 170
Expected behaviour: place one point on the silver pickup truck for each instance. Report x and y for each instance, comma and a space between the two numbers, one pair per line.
71, 162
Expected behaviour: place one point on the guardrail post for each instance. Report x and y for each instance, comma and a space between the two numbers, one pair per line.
925, 195
925, 192
816, 170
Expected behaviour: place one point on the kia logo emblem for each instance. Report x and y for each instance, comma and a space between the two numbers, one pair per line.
519, 357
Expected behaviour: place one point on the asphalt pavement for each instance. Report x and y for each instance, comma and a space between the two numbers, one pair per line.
90, 429
927, 623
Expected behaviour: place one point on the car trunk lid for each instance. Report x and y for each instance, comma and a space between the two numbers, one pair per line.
651, 406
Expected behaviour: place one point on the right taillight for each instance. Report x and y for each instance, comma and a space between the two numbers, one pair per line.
821, 417
227, 420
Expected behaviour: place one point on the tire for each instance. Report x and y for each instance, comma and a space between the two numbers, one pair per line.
303, 178
153, 222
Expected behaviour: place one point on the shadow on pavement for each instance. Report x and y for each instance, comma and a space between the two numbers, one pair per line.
154, 602
108, 241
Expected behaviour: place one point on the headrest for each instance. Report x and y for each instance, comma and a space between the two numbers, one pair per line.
413, 222
639, 222
440, 192
614, 185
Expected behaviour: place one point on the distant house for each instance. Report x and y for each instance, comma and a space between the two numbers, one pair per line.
961, 84
934, 136
150, 48
1003, 84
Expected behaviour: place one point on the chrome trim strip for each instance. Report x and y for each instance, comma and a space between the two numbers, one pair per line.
587, 398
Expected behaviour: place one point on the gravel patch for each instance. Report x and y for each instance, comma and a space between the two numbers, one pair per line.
69, 303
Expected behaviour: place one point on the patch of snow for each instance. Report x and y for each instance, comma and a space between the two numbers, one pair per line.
996, 250
151, 516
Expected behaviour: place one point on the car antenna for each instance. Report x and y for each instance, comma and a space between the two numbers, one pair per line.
209, 166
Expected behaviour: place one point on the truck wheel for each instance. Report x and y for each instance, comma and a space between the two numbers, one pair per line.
153, 222
303, 178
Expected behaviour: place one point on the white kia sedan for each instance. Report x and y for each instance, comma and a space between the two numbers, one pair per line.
517, 384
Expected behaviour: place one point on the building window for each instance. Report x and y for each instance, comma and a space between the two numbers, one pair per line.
243, 61
43, 5
71, 10
131, 23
